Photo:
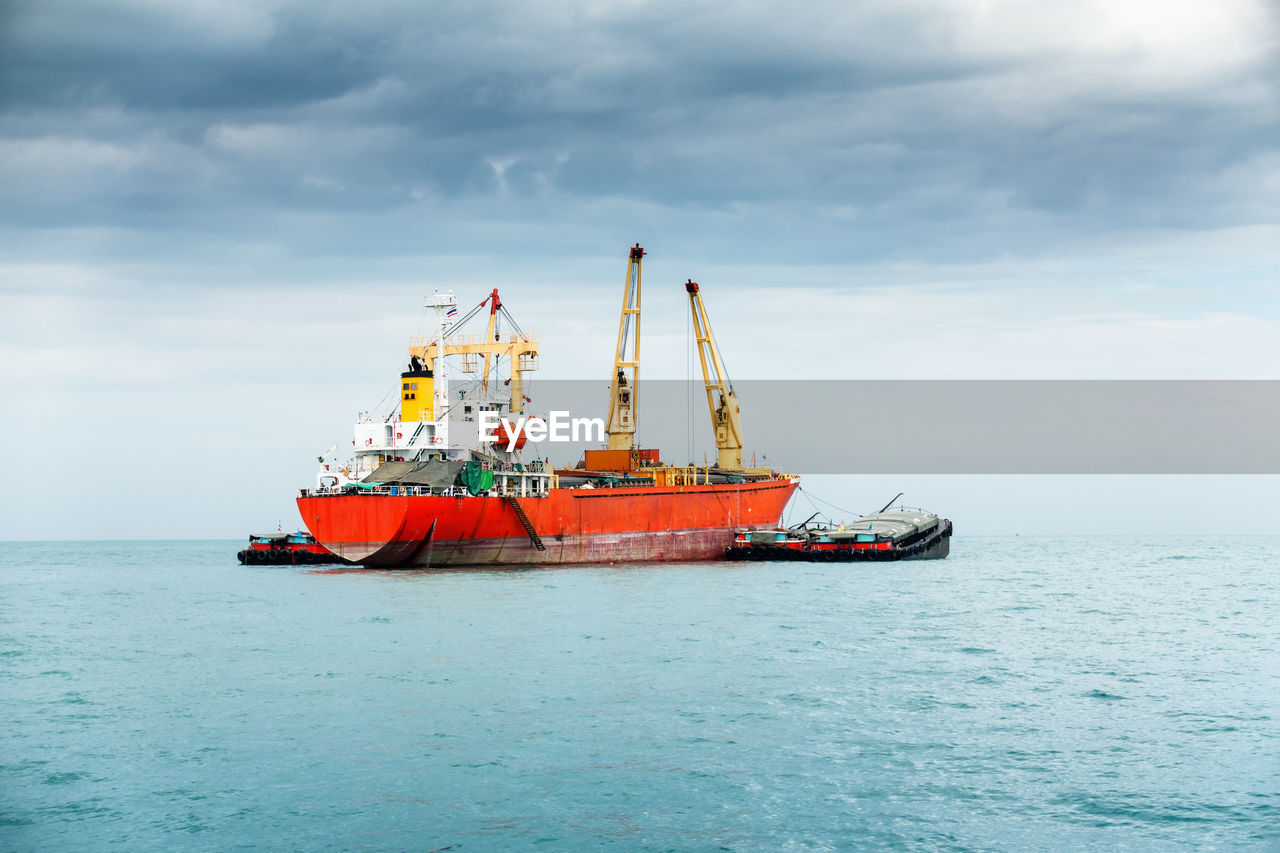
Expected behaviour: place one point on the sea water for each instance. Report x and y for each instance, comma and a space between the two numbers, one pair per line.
1063, 693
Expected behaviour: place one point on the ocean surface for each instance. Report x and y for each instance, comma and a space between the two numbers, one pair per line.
1048, 693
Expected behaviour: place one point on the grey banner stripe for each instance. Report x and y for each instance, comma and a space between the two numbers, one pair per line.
958, 427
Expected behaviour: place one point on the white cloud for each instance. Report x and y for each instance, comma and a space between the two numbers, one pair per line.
62, 155
269, 140
500, 165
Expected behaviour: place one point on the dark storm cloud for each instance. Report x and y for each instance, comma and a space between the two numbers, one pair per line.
150, 59
880, 129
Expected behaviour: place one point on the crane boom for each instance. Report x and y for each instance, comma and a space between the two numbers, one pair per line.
725, 413
621, 425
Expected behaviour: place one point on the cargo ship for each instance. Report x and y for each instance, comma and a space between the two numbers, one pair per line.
429, 485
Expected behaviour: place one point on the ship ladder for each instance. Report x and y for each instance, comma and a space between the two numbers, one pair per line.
524, 521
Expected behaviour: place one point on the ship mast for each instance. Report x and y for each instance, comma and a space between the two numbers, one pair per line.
520, 349
446, 306
724, 415
621, 425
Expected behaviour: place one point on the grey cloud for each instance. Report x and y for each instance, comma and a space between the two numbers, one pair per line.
871, 132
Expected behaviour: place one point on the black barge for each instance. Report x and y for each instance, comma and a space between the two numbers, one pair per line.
880, 537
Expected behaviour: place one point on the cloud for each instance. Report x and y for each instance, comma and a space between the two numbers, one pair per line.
971, 114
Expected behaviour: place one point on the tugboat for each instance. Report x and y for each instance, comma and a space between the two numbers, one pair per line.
880, 537
286, 549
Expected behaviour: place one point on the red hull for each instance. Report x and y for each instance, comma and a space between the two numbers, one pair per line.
575, 525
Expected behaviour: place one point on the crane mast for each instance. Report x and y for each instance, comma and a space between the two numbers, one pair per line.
490, 335
725, 412
621, 425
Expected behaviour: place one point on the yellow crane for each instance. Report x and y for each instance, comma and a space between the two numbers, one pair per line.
724, 414
621, 425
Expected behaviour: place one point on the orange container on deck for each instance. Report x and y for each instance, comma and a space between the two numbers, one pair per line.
619, 460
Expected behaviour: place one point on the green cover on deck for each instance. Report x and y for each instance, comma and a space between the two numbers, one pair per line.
476, 478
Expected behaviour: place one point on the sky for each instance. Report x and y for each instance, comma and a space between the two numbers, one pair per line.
218, 221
